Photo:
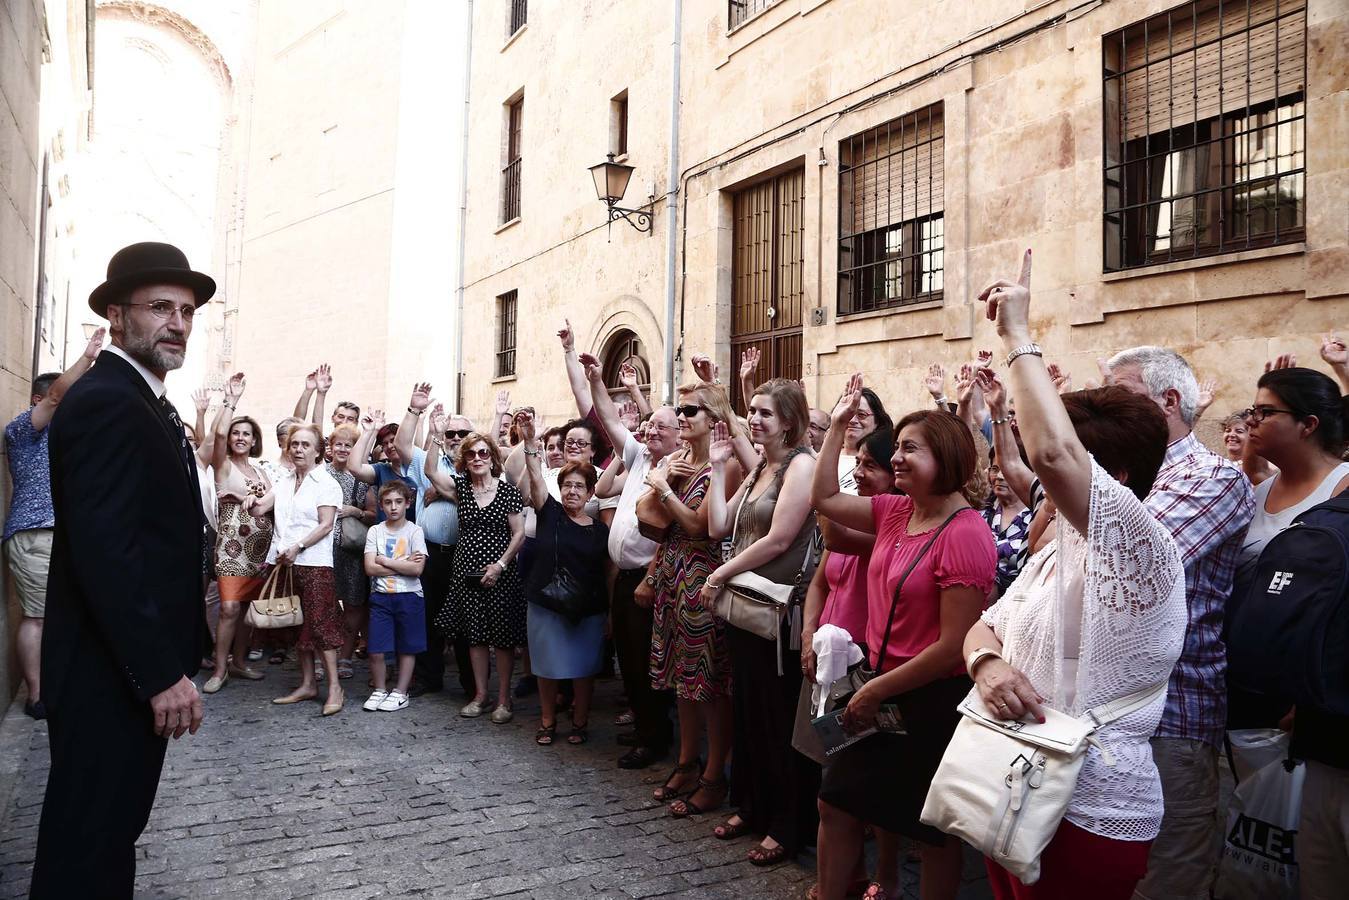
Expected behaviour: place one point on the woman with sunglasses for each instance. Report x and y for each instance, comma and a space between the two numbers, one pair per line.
486, 605
688, 642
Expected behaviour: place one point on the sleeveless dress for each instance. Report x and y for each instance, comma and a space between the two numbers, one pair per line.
774, 786
485, 617
242, 540
688, 642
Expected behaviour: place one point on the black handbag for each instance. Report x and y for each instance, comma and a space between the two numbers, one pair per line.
564, 594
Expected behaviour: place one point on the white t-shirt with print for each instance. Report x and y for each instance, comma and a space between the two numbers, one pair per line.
400, 544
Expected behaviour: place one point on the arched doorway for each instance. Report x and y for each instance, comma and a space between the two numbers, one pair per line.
624, 346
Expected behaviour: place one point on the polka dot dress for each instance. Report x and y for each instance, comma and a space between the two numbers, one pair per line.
485, 617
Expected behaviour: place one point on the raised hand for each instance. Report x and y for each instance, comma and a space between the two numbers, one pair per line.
324, 378
201, 399
849, 403
995, 395
722, 449
749, 362
629, 415
524, 424
965, 381
1208, 392
703, 367
373, 419
1009, 304
983, 359
1282, 361
627, 376
503, 403
95, 344
421, 396
234, 388
1333, 351
935, 381
567, 336
311, 381
438, 418
1063, 382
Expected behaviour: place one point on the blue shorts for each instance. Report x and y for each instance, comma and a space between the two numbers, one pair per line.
397, 623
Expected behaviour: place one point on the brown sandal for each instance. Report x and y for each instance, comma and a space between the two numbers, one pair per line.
767, 856
683, 808
674, 785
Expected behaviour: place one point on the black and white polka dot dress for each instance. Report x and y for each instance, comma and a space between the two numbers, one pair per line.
495, 616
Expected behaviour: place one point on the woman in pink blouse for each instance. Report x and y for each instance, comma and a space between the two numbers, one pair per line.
930, 574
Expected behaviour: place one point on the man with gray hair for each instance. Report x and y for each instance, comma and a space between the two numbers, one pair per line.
1206, 503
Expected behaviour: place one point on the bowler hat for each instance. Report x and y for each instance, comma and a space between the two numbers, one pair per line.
149, 262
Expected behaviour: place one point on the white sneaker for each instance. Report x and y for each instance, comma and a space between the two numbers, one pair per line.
376, 701
395, 701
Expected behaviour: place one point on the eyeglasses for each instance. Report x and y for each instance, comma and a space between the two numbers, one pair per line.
689, 410
575, 444
164, 309
460, 433
664, 429
813, 427
861, 415
1257, 414
481, 453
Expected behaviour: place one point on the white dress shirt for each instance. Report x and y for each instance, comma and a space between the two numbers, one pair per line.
297, 514
154, 381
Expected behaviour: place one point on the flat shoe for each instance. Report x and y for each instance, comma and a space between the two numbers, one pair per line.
501, 715
295, 697
215, 683
247, 674
331, 708
473, 708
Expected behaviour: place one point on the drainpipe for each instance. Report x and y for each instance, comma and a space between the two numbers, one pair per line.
671, 196
456, 403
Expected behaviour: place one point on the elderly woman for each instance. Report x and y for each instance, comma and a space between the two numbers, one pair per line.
304, 503
870, 416
928, 578
688, 642
573, 541
773, 527
242, 538
352, 584
485, 606
1236, 441
1098, 615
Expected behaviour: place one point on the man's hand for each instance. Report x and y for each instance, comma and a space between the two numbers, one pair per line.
1208, 392
644, 595
438, 419
629, 415
431, 496
503, 403
324, 378
95, 345
421, 396
177, 710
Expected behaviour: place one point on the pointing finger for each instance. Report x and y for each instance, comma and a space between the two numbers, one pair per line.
1024, 280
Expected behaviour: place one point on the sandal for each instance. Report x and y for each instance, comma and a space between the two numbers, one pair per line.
579, 734
544, 736
675, 786
683, 808
625, 718
728, 832
344, 669
874, 891
767, 856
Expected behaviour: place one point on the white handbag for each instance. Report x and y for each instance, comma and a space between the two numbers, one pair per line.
1003, 787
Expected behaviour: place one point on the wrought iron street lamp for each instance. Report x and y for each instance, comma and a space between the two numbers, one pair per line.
611, 183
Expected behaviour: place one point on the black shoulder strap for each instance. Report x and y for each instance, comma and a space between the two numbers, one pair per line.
894, 603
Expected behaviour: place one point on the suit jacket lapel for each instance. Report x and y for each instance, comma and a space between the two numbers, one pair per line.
117, 364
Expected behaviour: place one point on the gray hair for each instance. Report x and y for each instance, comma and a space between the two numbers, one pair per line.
1162, 370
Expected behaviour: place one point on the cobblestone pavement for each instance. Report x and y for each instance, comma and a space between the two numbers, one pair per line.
271, 801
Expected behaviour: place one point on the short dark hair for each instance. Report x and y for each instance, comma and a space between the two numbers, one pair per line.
586, 472
397, 486
598, 443
43, 383
391, 428
348, 405
952, 447
1124, 431
555, 431
879, 417
880, 446
1308, 392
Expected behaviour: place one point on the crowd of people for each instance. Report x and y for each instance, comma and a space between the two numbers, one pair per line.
1042, 549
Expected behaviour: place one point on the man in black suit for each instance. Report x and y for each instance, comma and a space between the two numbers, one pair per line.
125, 611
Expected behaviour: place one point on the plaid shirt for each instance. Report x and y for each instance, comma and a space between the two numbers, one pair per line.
1206, 503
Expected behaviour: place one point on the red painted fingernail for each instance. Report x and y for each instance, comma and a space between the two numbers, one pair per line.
1042, 720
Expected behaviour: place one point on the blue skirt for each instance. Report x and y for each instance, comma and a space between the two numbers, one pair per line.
558, 649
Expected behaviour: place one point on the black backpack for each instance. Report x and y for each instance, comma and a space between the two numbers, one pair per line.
1289, 634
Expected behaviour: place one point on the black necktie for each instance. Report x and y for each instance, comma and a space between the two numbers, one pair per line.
184, 451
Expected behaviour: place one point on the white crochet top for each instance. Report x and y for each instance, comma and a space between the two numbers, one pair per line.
1089, 621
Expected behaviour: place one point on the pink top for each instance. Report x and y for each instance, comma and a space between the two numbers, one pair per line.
964, 554
846, 604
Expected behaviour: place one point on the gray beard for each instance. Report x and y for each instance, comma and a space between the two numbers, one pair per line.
148, 353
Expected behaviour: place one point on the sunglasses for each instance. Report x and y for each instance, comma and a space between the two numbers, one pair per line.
480, 453
689, 410
460, 433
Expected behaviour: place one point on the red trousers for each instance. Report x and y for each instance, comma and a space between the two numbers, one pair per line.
1077, 864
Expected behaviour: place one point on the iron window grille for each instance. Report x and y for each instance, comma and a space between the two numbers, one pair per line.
1205, 137
519, 16
505, 343
741, 11
891, 220
510, 173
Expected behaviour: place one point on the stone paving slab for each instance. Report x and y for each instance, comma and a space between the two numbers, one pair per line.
277, 801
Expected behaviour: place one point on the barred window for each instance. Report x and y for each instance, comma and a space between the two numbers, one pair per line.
1205, 138
519, 16
891, 222
510, 172
741, 11
505, 342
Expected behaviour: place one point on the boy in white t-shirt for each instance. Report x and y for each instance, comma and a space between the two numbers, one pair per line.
395, 554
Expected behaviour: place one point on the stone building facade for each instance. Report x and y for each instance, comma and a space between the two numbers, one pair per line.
851, 172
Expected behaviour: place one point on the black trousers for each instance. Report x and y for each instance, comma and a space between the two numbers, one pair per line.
632, 640
430, 667
105, 767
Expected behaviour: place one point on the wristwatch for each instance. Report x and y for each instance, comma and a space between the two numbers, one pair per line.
1031, 349
650, 581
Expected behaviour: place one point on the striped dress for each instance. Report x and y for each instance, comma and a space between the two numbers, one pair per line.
688, 641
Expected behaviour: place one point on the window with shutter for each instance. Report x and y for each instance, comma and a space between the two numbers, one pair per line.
891, 224
1205, 131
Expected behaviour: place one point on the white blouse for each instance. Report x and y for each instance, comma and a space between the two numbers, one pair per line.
297, 513
1093, 619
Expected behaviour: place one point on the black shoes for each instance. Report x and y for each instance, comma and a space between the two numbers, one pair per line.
641, 757
419, 689
36, 710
